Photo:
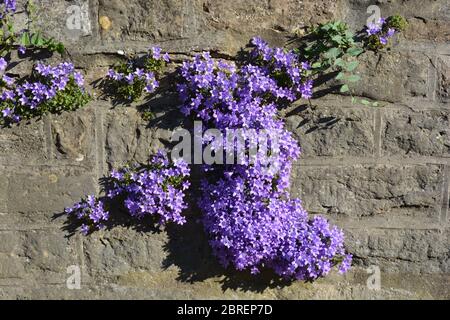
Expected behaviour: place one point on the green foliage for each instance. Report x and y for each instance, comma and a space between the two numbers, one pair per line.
37, 41
7, 36
69, 99
332, 47
397, 22
132, 92
367, 103
9, 39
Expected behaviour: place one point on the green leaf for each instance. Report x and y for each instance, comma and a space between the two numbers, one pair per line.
337, 38
34, 38
351, 66
340, 76
365, 102
25, 39
344, 88
355, 51
316, 65
354, 78
339, 62
60, 48
332, 53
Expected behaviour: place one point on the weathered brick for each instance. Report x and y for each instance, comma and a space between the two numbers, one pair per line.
129, 138
400, 250
420, 29
11, 266
70, 22
413, 133
143, 20
367, 190
393, 76
10, 242
444, 78
333, 131
24, 143
49, 255
47, 189
216, 25
427, 10
73, 136
119, 251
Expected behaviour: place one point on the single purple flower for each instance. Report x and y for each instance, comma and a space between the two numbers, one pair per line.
79, 79
3, 64
22, 50
6, 112
156, 53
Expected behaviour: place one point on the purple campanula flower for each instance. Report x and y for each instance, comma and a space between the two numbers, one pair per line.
8, 80
6, 112
247, 213
306, 65
3, 64
129, 78
79, 79
390, 32
85, 229
22, 50
156, 53
373, 28
139, 73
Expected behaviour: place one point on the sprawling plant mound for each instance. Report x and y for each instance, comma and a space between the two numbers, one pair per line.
247, 211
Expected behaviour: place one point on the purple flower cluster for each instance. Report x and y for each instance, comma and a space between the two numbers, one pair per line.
50, 89
7, 7
247, 213
133, 77
154, 189
283, 67
380, 31
137, 75
91, 212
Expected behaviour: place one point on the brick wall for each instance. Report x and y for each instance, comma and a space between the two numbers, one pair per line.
380, 173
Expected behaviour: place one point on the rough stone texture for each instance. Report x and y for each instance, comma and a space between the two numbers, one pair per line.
382, 174
371, 190
332, 130
394, 76
425, 132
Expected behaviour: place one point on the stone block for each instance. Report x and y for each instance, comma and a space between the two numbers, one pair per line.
47, 189
412, 191
415, 133
333, 131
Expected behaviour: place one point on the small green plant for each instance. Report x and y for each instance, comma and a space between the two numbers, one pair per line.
379, 33
7, 36
37, 41
331, 47
27, 39
130, 79
397, 22
47, 90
